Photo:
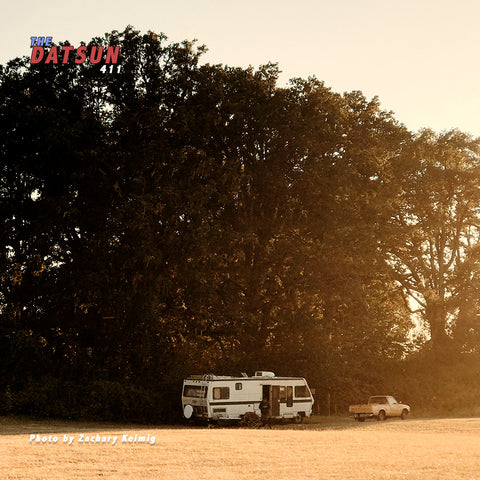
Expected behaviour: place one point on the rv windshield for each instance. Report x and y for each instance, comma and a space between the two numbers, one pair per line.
195, 391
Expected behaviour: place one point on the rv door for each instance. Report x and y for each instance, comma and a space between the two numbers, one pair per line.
275, 403
271, 393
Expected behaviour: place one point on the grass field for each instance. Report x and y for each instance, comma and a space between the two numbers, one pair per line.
331, 448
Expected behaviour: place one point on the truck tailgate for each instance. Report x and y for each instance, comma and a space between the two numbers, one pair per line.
361, 408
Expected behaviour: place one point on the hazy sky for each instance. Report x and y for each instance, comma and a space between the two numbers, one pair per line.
420, 57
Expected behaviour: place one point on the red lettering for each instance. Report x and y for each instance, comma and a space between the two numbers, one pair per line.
98, 57
81, 55
112, 54
37, 54
52, 56
66, 49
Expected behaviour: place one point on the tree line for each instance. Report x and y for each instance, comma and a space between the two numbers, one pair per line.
175, 217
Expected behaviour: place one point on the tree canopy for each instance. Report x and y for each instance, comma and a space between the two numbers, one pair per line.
177, 217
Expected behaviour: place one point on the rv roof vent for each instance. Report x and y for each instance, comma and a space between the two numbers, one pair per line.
264, 374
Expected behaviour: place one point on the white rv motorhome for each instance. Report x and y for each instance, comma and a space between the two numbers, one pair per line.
212, 397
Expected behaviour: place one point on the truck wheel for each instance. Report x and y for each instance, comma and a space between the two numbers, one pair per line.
381, 415
404, 414
360, 419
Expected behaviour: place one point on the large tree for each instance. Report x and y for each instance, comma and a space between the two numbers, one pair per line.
347, 144
434, 228
183, 217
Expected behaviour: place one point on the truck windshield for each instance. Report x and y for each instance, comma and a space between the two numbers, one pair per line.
195, 391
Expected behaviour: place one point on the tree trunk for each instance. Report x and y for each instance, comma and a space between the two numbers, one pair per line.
436, 317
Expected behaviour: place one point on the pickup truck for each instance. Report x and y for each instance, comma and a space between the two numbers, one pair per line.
379, 407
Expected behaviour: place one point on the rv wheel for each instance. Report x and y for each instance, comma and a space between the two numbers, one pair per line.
250, 420
299, 418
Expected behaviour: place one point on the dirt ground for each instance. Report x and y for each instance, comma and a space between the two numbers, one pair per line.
330, 448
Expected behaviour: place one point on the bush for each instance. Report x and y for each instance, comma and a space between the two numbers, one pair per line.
99, 400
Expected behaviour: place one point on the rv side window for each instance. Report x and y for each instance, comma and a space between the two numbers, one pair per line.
221, 393
282, 395
238, 386
301, 391
195, 391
